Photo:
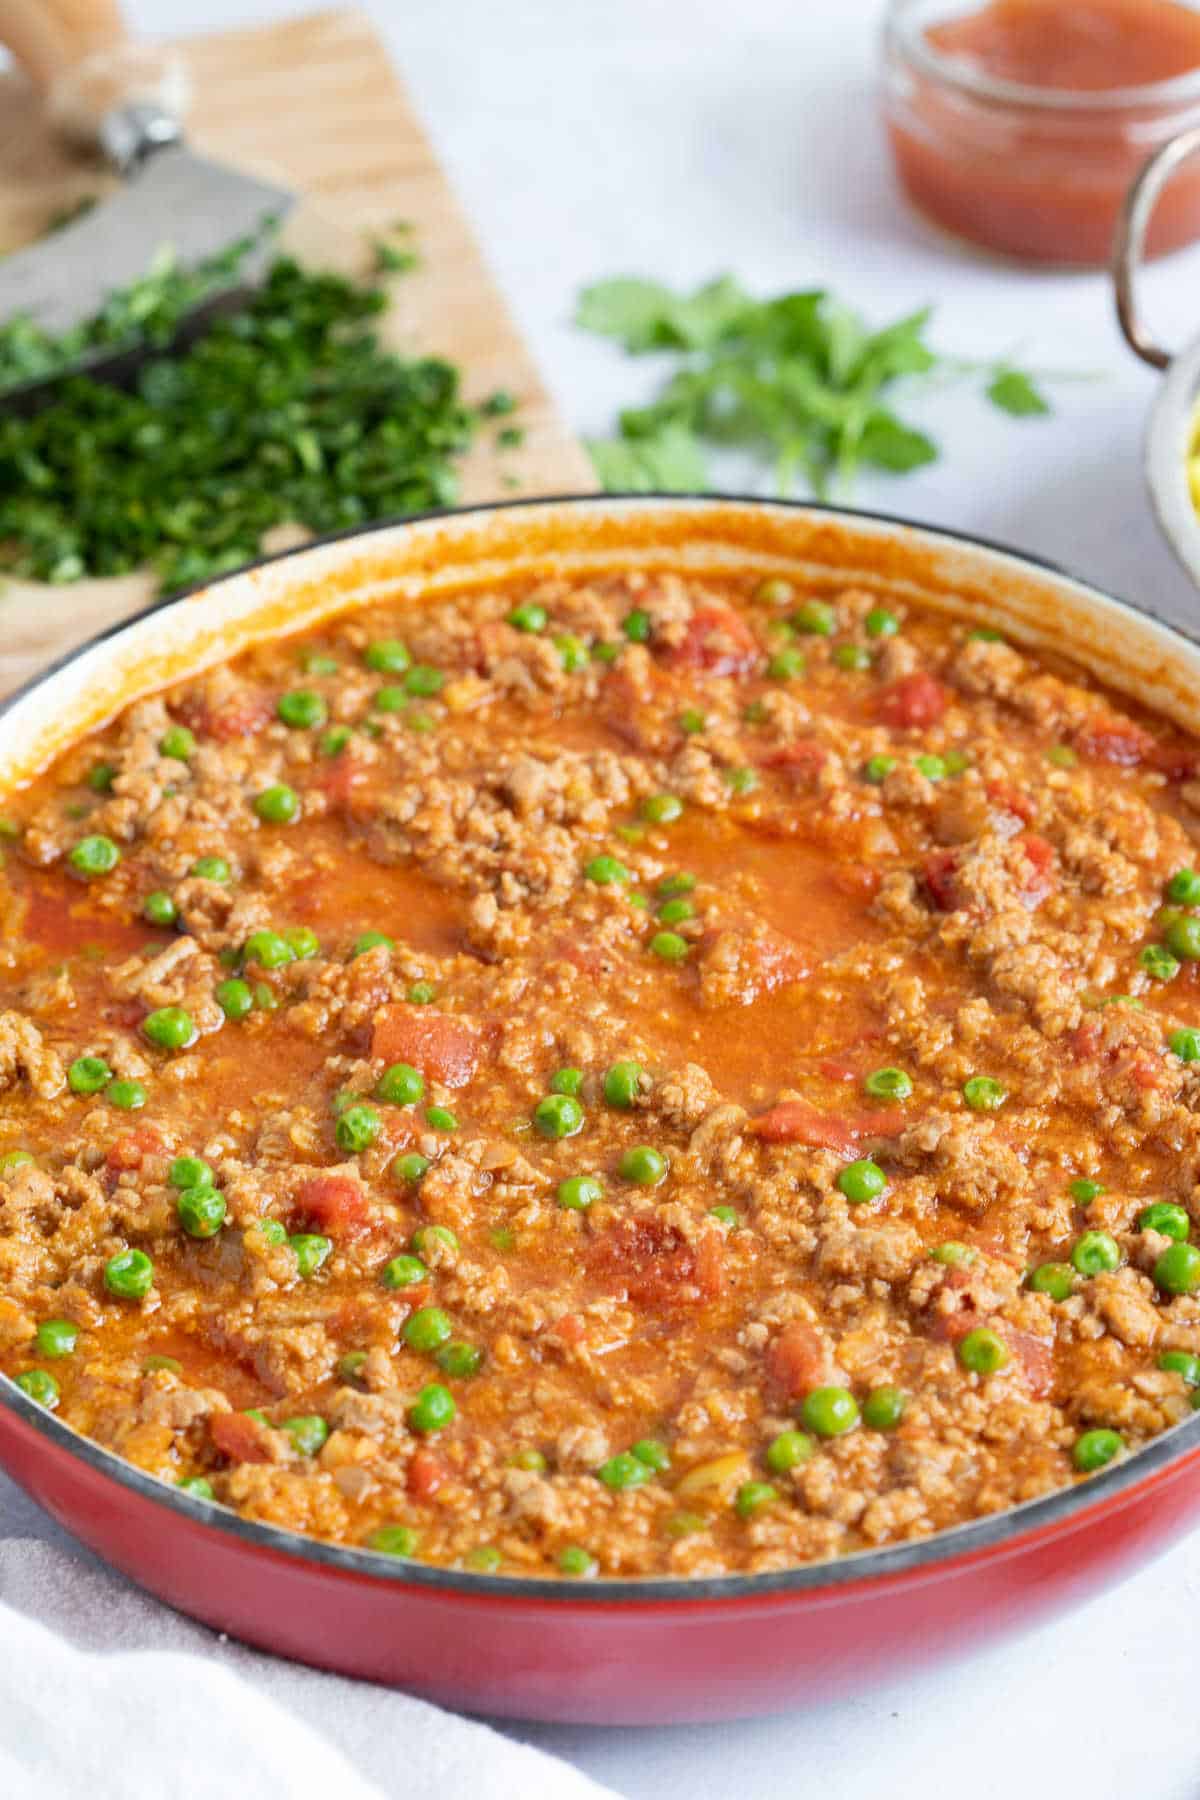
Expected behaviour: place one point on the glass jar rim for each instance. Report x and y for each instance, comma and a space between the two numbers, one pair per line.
907, 39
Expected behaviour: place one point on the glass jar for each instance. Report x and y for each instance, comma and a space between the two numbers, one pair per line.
1030, 172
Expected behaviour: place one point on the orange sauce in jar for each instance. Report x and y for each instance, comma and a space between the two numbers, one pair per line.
1019, 125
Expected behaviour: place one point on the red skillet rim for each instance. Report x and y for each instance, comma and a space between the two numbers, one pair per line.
997, 1531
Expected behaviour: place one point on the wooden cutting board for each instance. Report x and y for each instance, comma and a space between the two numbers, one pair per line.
314, 101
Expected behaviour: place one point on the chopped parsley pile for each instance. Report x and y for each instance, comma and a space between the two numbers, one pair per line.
798, 380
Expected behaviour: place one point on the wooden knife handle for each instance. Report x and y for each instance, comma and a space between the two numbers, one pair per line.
78, 54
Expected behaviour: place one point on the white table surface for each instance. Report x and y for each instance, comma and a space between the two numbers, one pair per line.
678, 138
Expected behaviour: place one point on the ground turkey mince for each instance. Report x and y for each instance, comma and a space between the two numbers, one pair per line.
640, 1077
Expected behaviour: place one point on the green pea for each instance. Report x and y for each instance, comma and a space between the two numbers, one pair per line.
459, 1361
301, 708
129, 1274
982, 1094
311, 1250
862, 1180
201, 1211
371, 940
1062, 756
880, 622
130, 1096
654, 1454
829, 1411
558, 1116
440, 1118
573, 653
1093, 1449
1172, 1221
726, 1216
165, 1365
14, 1159
1185, 1044
277, 804
334, 741
1095, 1253
41, 1386
159, 908
1183, 889
178, 743
578, 1192
1054, 1278
742, 781
1177, 1270
985, 634
622, 1083
567, 1081
527, 1458
529, 617
100, 777
308, 1432
643, 1165
88, 1074
604, 870
432, 1410
878, 768
1084, 1190
390, 700
674, 912
357, 1129
955, 761
851, 656
888, 1084
816, 618
171, 1028
351, 1366
983, 1352
788, 1451
1181, 1362
787, 664
1183, 938
409, 1167
425, 1329
404, 1271
575, 1560
272, 1231
884, 1407
672, 885
752, 1496
421, 993
387, 656
661, 809
269, 949
196, 1486
1158, 963
932, 767
954, 1254
234, 998
483, 1559
669, 946
57, 1337
318, 662
624, 1471
94, 856
190, 1172
400, 1085
211, 868
423, 682
775, 590
636, 626
692, 721
394, 1540
302, 942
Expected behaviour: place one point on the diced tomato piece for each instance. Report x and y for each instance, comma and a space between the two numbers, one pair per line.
797, 1360
912, 701
335, 1204
1009, 799
855, 881
239, 716
836, 1068
802, 761
1177, 760
239, 1438
939, 872
1114, 740
653, 1263
426, 1473
1033, 1356
1085, 1039
569, 1329
127, 1152
340, 777
717, 641
796, 1122
1042, 878
1146, 1072
441, 1046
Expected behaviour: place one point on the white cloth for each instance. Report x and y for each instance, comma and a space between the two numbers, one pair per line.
104, 1693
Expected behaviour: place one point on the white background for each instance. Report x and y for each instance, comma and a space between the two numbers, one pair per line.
679, 138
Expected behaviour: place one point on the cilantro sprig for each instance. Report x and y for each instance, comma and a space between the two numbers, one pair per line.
798, 380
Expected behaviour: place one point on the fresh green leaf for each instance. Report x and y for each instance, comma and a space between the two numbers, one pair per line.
1015, 393
643, 315
888, 444
667, 461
